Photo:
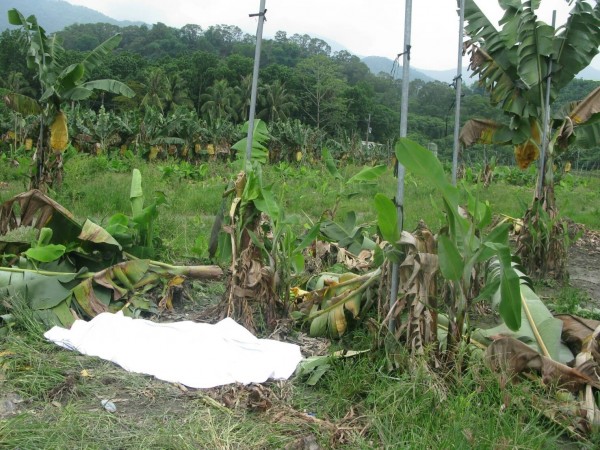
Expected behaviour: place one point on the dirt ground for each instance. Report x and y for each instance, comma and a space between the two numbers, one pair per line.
584, 265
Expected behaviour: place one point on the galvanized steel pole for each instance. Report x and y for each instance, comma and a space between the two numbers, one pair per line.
403, 131
458, 81
252, 113
542, 171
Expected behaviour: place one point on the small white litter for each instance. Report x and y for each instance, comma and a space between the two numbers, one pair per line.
197, 355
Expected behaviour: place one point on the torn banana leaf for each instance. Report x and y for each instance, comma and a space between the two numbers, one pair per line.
35, 209
335, 301
538, 325
59, 298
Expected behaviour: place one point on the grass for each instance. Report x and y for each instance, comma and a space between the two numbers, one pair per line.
409, 410
375, 408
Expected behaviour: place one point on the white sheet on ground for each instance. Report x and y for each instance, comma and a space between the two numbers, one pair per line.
198, 355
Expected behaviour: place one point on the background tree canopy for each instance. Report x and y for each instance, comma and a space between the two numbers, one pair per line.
208, 71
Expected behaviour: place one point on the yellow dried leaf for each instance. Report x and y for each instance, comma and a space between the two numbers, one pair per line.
210, 149
6, 353
28, 144
59, 133
85, 373
568, 167
153, 152
487, 136
298, 292
177, 280
298, 156
339, 321
536, 132
197, 148
526, 153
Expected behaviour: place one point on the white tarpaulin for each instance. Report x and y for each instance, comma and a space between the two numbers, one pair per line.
198, 355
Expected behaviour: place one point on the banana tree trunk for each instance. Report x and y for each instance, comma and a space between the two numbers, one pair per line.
542, 242
47, 166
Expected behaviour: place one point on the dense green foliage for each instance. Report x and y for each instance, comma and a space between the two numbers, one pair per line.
193, 87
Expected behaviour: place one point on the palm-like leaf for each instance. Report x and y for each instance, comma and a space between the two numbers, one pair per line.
584, 116
512, 63
97, 56
111, 86
490, 58
22, 104
577, 43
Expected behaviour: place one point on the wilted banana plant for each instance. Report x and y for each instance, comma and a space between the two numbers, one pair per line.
335, 301
463, 245
58, 84
64, 270
256, 236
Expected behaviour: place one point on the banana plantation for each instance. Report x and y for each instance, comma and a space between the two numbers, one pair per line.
445, 319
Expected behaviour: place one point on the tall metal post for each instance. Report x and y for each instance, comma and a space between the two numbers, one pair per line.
368, 130
403, 130
458, 81
542, 168
259, 33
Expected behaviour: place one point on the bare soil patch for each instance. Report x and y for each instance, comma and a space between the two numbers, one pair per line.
584, 264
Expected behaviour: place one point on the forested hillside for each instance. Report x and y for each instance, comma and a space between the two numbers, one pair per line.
194, 81
55, 14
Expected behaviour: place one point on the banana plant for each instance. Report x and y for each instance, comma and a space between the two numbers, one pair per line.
515, 64
463, 245
59, 83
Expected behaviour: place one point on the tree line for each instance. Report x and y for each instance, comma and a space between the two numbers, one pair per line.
192, 86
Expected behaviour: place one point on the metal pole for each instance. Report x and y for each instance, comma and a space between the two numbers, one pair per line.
403, 130
458, 81
259, 32
540, 184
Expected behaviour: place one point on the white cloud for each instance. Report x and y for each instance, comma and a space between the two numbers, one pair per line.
364, 27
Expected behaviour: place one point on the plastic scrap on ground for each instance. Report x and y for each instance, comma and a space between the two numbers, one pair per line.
197, 355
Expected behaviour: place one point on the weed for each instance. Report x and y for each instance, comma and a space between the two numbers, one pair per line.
570, 300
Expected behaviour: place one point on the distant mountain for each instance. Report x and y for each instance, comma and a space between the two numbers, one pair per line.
54, 15
382, 64
447, 76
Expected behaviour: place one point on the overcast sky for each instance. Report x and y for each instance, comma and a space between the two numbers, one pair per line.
364, 27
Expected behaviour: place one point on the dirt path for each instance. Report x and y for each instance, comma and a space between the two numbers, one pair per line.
584, 264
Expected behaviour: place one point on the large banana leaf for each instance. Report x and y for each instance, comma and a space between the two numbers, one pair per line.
336, 299
22, 104
35, 209
260, 136
491, 60
98, 55
86, 89
49, 296
70, 77
577, 44
59, 298
581, 124
39, 51
512, 63
538, 318
535, 46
